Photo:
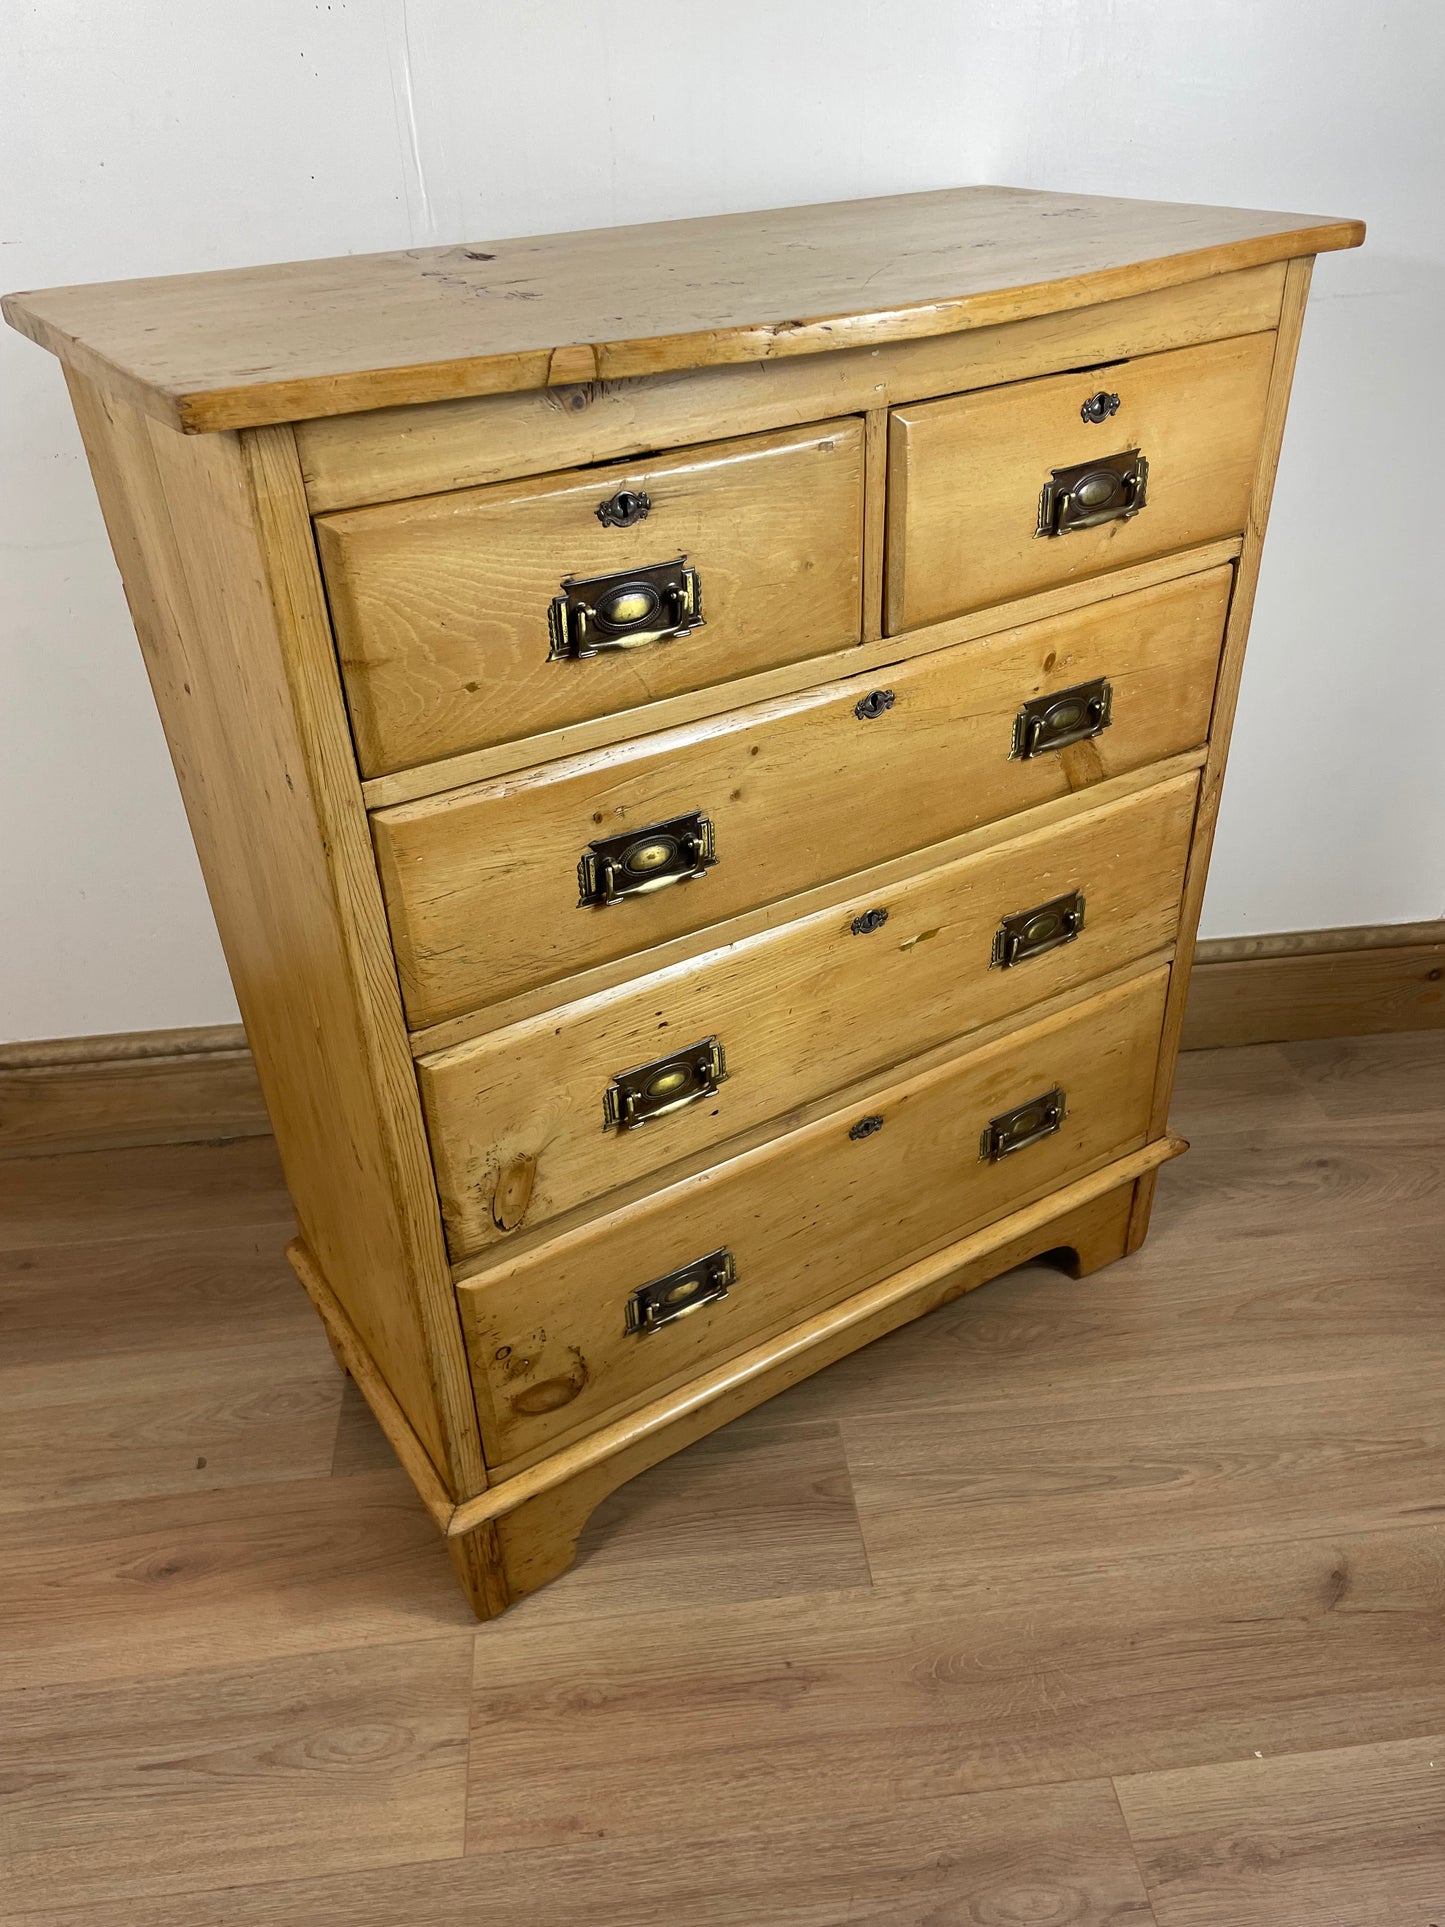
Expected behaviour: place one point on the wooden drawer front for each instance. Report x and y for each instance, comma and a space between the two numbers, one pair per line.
517, 1119
441, 604
808, 1218
965, 475
482, 885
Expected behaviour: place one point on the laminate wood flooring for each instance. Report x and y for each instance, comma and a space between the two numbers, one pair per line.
1106, 1604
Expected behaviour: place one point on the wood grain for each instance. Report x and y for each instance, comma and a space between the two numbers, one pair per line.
245, 680
965, 475
799, 1011
390, 453
809, 1219
441, 605
800, 791
235, 1578
989, 1857
1354, 1837
1231, 669
1385, 968
1098, 1665
182, 1288
451, 772
1084, 1227
1238, 1473
338, 1761
182, 1420
137, 1192
142, 1087
246, 347
1355, 989
230, 1678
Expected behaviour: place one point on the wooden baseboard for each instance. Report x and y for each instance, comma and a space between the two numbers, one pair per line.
174, 1086
142, 1087
1316, 983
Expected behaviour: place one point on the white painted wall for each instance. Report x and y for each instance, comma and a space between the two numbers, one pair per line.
161, 137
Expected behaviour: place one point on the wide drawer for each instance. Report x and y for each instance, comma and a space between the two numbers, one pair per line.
444, 606
563, 1336
974, 480
483, 884
535, 1119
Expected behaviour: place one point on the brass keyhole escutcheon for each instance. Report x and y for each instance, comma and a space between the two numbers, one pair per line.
624, 509
874, 704
1098, 408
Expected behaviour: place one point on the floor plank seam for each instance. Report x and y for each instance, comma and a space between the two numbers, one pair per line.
1144, 1887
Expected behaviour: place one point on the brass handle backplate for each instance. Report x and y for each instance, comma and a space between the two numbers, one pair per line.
1112, 489
643, 860
1029, 933
678, 1292
652, 1090
624, 610
1068, 716
1025, 1124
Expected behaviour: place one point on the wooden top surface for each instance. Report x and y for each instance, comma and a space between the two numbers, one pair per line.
247, 346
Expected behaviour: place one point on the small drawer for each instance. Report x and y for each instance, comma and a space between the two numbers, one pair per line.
1007, 491
490, 614
529, 878
533, 1120
578, 1330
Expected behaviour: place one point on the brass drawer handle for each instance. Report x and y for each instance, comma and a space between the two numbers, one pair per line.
1088, 493
1029, 933
678, 1292
1068, 716
623, 610
643, 860
653, 1090
1025, 1124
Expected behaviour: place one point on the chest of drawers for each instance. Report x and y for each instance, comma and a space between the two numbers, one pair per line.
703, 742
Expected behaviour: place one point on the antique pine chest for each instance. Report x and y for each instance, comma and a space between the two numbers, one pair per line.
703, 741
